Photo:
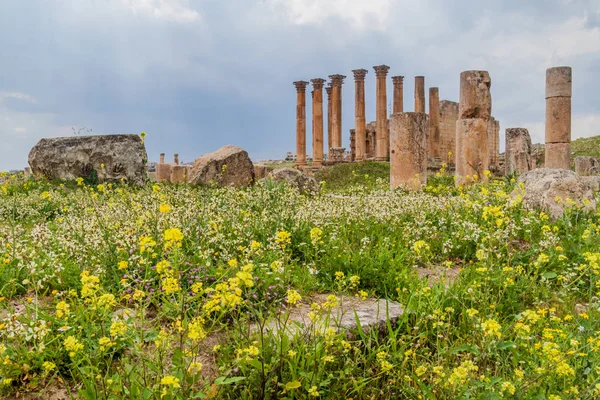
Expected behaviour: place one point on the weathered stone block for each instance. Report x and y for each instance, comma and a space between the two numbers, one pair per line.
179, 173
475, 98
111, 157
558, 120
518, 151
471, 150
337, 154
558, 82
305, 184
558, 155
586, 165
228, 166
408, 155
163, 172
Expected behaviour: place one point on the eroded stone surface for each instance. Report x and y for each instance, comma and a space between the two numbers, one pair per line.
558, 120
558, 82
471, 150
179, 173
586, 165
448, 118
408, 155
111, 157
475, 98
557, 155
553, 190
228, 166
517, 158
295, 178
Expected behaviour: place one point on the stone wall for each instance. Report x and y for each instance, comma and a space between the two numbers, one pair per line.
448, 118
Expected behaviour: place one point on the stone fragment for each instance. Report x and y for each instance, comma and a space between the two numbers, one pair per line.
163, 172
337, 154
593, 181
471, 151
228, 166
558, 120
305, 184
475, 97
554, 190
179, 173
261, 171
408, 155
586, 165
517, 157
111, 158
557, 155
353, 145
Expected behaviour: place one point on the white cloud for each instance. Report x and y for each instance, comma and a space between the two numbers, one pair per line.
18, 96
171, 10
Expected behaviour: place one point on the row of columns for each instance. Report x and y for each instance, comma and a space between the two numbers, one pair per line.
334, 114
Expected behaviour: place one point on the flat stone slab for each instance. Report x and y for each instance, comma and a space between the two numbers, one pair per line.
351, 311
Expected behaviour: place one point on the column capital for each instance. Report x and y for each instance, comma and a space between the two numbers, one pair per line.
360, 74
399, 79
318, 83
300, 86
337, 80
328, 89
381, 70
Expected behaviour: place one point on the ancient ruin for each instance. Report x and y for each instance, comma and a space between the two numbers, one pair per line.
360, 139
517, 157
398, 94
408, 155
493, 144
474, 112
448, 118
420, 94
317, 115
300, 123
336, 110
586, 166
558, 117
434, 140
329, 89
382, 147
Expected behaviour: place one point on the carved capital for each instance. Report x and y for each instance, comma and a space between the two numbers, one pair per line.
381, 70
359, 74
398, 80
300, 86
318, 83
337, 80
328, 89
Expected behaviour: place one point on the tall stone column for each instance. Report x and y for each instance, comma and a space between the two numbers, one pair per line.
474, 112
558, 117
162, 158
398, 94
329, 89
420, 94
434, 140
317, 113
518, 151
408, 155
360, 135
336, 110
175, 159
300, 123
382, 146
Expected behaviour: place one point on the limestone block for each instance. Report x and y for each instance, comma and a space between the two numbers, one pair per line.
228, 166
290, 176
179, 173
337, 154
163, 172
408, 155
558, 82
448, 117
111, 158
261, 171
558, 155
475, 98
586, 165
471, 150
518, 151
558, 120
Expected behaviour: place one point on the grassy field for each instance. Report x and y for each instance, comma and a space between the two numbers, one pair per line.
586, 147
159, 292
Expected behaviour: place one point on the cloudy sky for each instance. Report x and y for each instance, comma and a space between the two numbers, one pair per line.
199, 74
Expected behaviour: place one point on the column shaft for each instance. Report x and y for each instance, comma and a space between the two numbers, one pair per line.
382, 147
558, 117
420, 94
317, 108
360, 135
300, 123
434, 138
398, 94
336, 112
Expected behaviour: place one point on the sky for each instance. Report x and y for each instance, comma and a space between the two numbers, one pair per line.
199, 74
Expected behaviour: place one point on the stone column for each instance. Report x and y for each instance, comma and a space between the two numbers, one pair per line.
491, 140
162, 158
448, 118
163, 171
497, 144
474, 112
336, 110
517, 156
176, 159
382, 146
408, 155
328, 89
398, 94
558, 117
420, 94
317, 108
434, 123
359, 112
300, 123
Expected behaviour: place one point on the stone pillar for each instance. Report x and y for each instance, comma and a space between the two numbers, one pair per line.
317, 122
353, 145
300, 123
434, 139
360, 139
448, 118
420, 94
163, 171
558, 117
586, 165
398, 94
336, 110
517, 156
175, 159
474, 112
179, 173
382, 146
328, 89
408, 155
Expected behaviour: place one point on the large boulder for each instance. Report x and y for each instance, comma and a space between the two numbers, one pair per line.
295, 178
586, 165
553, 190
111, 158
228, 166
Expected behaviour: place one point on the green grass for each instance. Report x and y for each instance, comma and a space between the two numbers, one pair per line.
586, 147
342, 177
